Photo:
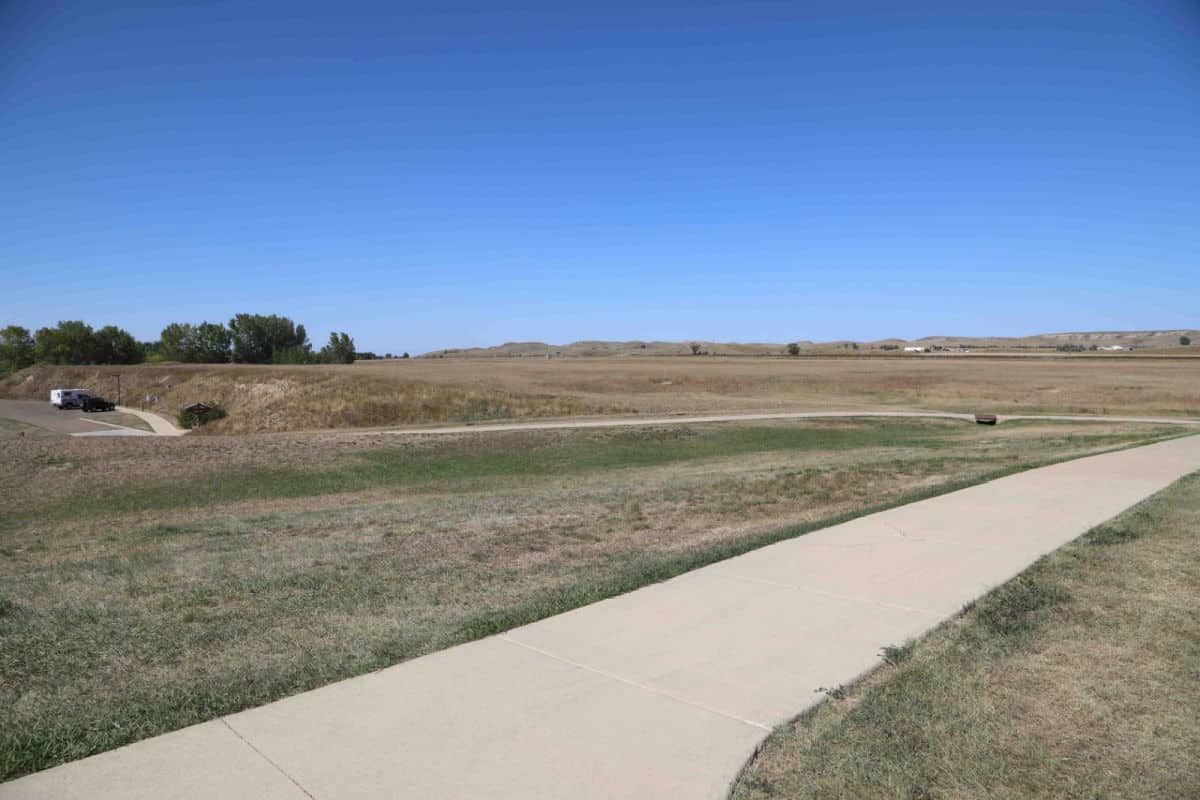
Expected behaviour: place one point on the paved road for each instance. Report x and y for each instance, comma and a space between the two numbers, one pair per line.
73, 423
76, 423
663, 692
619, 422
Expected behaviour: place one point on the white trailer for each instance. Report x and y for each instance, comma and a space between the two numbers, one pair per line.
67, 398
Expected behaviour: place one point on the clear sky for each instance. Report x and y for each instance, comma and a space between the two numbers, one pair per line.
429, 175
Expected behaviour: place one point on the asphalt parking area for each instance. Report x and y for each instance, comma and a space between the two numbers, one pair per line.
70, 422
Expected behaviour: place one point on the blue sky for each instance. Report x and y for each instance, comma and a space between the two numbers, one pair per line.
453, 174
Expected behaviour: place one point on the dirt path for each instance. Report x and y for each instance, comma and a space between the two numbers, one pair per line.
662, 692
45, 416
618, 422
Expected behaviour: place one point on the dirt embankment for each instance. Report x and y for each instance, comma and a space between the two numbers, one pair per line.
270, 398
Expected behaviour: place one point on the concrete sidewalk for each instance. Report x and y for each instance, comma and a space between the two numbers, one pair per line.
663, 692
158, 423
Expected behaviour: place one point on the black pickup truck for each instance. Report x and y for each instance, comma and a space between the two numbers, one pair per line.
89, 403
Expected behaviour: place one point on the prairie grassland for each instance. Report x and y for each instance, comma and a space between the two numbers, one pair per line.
215, 573
415, 391
1126, 384
1079, 678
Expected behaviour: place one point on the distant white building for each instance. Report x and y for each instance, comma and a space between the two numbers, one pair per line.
1114, 347
914, 349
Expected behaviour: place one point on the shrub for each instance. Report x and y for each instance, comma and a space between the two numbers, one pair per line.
292, 355
214, 412
1012, 609
897, 654
1110, 534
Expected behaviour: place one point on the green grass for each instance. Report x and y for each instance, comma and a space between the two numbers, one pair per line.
402, 466
1076, 679
153, 623
476, 460
642, 571
149, 712
31, 640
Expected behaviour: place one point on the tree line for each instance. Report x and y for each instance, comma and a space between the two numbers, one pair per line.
246, 339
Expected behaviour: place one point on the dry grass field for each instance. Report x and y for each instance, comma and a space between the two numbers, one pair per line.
1121, 384
202, 575
416, 391
1080, 678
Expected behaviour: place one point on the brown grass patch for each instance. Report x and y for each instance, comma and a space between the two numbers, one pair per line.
1077, 679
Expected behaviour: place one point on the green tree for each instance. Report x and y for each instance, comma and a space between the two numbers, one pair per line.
340, 349
112, 345
211, 343
174, 343
793, 349
1185, 340
16, 348
71, 342
292, 355
206, 343
259, 339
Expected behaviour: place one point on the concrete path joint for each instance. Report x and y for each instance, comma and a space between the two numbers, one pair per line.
263, 756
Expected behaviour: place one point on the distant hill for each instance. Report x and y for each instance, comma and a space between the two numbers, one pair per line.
601, 349
1139, 340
